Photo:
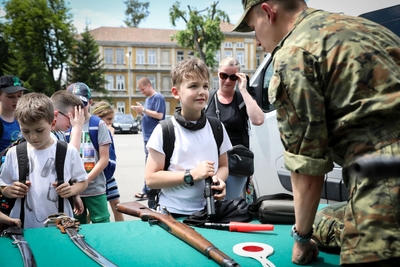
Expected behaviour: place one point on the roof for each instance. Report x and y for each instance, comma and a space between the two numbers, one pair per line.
142, 35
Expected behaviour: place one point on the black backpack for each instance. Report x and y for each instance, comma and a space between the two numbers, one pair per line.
23, 166
168, 134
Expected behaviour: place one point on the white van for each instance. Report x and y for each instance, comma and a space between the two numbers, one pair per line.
270, 175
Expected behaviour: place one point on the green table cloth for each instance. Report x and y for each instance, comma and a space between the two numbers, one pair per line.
137, 243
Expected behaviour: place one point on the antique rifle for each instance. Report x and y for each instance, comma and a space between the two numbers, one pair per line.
71, 226
16, 234
178, 229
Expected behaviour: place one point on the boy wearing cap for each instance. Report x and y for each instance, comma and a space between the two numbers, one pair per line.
94, 196
11, 90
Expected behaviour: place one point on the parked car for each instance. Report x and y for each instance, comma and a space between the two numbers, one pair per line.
125, 123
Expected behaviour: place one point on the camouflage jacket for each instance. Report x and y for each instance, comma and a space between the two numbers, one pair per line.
336, 89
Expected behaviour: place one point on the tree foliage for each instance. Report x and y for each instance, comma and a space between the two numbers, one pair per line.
4, 55
136, 11
87, 64
203, 33
40, 36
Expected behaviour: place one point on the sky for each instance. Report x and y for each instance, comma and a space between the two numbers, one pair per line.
111, 13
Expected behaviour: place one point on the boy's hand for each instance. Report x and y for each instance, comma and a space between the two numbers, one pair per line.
18, 190
219, 188
64, 190
79, 118
78, 205
204, 170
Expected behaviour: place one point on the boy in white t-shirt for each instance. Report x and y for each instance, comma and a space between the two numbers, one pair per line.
195, 156
35, 114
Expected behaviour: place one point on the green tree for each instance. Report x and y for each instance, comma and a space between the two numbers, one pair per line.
136, 11
41, 39
4, 55
203, 33
87, 65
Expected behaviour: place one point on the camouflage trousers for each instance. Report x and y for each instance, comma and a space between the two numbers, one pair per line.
367, 227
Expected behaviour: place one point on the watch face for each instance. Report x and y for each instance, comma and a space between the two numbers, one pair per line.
188, 177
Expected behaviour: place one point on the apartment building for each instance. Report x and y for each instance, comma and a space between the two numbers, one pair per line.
132, 53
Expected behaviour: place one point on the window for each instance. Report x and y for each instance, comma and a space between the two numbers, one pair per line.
217, 56
140, 56
120, 56
110, 82
216, 82
228, 44
165, 57
258, 61
166, 84
153, 81
152, 57
108, 55
121, 107
240, 45
120, 82
179, 56
240, 57
228, 53
191, 54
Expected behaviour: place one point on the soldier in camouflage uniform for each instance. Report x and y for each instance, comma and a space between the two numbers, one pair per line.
336, 90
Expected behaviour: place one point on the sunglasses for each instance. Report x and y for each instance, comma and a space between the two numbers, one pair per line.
225, 76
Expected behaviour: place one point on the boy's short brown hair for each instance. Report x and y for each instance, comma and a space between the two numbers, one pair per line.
63, 100
192, 68
34, 107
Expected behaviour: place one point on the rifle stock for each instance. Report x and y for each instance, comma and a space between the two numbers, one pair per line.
178, 229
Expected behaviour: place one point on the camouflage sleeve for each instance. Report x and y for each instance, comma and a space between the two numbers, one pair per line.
300, 108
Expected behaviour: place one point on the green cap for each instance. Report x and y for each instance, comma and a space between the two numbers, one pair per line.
241, 25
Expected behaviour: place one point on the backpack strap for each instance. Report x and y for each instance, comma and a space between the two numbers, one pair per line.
216, 127
168, 135
61, 152
23, 171
94, 131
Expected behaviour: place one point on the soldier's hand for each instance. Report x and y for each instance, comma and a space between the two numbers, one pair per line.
304, 253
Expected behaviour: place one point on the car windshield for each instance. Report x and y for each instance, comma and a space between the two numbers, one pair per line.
124, 119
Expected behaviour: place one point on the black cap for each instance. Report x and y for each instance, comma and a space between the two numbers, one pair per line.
81, 90
11, 84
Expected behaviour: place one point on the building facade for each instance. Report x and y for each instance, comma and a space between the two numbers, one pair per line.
132, 53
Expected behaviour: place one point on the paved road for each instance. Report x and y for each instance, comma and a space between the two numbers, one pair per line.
130, 167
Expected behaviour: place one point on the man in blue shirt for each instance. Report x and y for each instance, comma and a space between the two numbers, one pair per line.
152, 112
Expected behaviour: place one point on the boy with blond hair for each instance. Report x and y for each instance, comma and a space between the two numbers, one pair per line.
35, 114
182, 185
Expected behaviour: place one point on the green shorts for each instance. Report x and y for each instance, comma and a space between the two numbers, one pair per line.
97, 208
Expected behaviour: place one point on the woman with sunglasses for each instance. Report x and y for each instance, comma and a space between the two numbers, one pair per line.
235, 108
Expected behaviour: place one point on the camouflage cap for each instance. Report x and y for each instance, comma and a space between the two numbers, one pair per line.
241, 25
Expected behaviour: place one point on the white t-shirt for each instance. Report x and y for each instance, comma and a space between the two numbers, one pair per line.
42, 198
191, 148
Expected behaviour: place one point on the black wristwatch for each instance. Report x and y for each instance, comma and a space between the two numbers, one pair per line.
188, 178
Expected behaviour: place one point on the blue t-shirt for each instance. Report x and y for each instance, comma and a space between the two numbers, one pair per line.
11, 133
156, 103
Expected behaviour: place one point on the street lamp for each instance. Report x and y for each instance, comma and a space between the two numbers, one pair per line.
128, 55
